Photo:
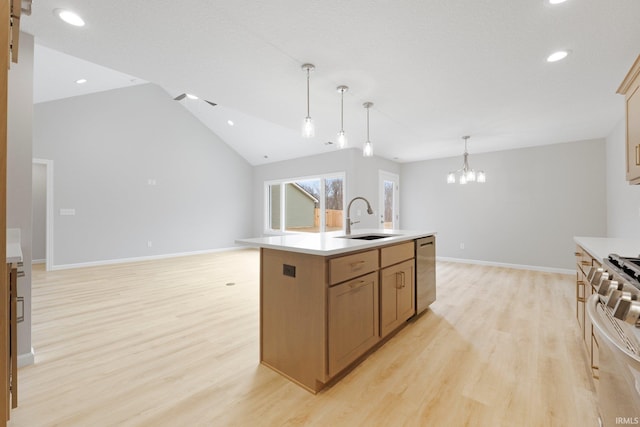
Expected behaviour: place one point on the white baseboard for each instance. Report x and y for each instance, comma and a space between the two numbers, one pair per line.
507, 265
144, 258
27, 358
38, 261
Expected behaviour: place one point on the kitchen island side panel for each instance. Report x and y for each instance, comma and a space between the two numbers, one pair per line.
293, 311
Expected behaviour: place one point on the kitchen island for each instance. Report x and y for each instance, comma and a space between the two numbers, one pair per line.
327, 300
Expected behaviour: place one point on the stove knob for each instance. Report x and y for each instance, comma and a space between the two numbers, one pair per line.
598, 276
608, 286
592, 271
622, 305
603, 279
633, 314
616, 295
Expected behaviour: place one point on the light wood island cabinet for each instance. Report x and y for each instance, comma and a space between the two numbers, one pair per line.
397, 295
630, 88
320, 315
353, 320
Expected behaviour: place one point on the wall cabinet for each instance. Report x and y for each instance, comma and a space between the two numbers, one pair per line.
630, 88
584, 289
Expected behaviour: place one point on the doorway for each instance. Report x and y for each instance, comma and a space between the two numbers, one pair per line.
42, 199
389, 199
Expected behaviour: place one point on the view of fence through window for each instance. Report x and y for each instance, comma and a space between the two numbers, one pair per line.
303, 205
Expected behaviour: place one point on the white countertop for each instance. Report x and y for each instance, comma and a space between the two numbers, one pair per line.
601, 247
331, 243
14, 250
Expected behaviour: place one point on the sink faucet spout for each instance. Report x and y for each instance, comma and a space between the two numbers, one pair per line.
348, 222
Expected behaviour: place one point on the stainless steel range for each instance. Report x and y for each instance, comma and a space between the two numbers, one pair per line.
615, 314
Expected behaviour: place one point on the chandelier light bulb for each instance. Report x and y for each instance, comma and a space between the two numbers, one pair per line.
466, 174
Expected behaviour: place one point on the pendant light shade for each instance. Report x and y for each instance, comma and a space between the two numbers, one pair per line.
367, 150
466, 174
308, 128
342, 138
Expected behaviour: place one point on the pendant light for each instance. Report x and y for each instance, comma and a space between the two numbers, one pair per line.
342, 138
308, 129
466, 174
367, 150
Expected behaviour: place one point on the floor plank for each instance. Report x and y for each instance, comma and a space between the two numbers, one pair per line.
169, 342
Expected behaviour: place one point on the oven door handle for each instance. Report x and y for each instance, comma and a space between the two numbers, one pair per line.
597, 321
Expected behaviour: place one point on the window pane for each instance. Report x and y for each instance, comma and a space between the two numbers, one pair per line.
302, 201
274, 206
388, 204
334, 198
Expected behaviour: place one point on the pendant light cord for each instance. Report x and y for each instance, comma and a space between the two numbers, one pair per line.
342, 110
308, 92
368, 124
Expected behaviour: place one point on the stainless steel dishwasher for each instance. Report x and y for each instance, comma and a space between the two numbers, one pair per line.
425, 273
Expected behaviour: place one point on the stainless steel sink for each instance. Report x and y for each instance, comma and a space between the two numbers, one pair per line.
367, 236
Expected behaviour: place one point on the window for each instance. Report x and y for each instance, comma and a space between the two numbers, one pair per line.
305, 205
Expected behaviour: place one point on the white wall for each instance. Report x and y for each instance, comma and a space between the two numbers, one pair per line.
107, 146
623, 200
361, 175
19, 137
533, 204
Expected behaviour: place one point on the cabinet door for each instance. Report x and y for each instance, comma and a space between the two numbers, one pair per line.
633, 135
397, 298
353, 320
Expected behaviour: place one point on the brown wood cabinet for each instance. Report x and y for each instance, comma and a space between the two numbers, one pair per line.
320, 315
397, 295
584, 289
353, 320
630, 88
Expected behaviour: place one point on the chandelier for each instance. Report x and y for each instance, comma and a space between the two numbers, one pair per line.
466, 174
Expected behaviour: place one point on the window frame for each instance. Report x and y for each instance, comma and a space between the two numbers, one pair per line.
266, 224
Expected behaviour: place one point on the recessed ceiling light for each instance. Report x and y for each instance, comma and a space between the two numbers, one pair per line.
230, 122
191, 96
69, 17
81, 81
557, 56
556, 1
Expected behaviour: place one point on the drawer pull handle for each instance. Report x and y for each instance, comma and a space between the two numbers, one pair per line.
356, 284
577, 254
586, 263
357, 263
638, 155
400, 280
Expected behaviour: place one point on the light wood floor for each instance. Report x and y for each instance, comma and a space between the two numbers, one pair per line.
168, 343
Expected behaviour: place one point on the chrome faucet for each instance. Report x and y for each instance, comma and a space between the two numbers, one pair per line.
349, 223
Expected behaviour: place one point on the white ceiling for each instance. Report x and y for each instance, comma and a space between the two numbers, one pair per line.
435, 70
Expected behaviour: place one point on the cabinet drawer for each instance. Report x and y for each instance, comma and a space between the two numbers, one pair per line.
396, 253
350, 266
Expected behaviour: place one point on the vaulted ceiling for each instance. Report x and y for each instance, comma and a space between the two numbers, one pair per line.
435, 70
